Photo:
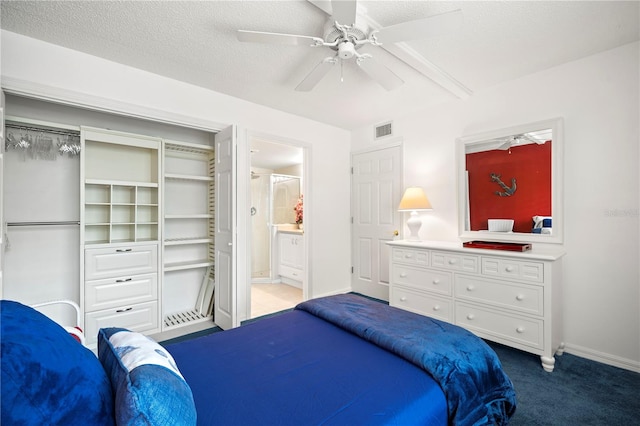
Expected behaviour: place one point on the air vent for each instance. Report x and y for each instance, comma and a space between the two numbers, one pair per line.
383, 130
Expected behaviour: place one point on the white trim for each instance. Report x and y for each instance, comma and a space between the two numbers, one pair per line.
391, 143
307, 285
29, 89
593, 355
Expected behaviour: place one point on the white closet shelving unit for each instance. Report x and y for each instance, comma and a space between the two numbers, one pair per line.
121, 199
188, 234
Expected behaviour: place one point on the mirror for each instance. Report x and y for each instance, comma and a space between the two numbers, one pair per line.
510, 184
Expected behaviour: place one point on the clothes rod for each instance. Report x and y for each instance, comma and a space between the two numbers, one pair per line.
42, 129
64, 222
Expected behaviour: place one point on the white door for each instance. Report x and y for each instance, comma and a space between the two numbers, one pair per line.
375, 193
226, 286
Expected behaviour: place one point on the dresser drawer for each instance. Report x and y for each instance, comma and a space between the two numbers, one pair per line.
513, 269
140, 317
521, 330
120, 261
410, 256
521, 297
113, 292
423, 279
454, 262
420, 303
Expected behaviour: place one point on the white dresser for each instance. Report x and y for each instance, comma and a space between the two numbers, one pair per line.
507, 297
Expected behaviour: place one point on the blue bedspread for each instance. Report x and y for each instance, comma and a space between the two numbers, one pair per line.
477, 390
295, 369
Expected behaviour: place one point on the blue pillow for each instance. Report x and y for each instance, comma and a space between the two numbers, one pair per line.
148, 387
47, 376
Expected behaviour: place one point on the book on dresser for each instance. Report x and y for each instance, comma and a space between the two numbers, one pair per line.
509, 297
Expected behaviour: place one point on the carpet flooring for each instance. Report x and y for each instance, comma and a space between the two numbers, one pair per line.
578, 391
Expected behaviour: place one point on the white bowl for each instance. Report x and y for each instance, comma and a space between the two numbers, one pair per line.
500, 225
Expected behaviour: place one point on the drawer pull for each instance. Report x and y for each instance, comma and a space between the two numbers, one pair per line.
436, 281
124, 280
509, 268
124, 310
470, 288
403, 275
520, 297
123, 250
408, 255
520, 330
436, 308
452, 261
403, 299
470, 316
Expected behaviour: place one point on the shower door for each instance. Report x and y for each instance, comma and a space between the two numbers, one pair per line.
273, 197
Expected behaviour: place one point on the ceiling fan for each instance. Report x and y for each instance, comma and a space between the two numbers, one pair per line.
345, 37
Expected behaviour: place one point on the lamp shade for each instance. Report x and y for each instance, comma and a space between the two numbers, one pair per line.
414, 199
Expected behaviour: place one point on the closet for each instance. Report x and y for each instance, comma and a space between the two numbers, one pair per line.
41, 209
119, 221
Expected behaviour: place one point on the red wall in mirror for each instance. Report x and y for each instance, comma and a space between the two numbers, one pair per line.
530, 165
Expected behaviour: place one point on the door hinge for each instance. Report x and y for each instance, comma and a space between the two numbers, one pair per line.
351, 170
352, 269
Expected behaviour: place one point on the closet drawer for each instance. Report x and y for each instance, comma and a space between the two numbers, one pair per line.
120, 261
113, 292
454, 262
421, 303
142, 317
423, 279
410, 256
522, 297
512, 328
513, 269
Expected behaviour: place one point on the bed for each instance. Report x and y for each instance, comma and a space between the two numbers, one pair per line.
336, 360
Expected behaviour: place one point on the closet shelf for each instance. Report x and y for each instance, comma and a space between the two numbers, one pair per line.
183, 241
188, 216
180, 319
176, 176
180, 266
120, 183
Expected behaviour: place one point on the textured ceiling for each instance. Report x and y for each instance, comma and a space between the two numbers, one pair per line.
196, 42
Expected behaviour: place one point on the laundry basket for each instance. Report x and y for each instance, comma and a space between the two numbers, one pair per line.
75, 331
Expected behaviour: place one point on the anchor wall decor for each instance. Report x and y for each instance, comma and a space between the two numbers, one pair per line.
508, 191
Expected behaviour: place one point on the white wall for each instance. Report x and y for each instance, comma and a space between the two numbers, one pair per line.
598, 97
63, 74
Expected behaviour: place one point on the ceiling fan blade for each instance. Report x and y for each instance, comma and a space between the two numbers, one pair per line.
277, 38
431, 26
383, 75
316, 75
344, 11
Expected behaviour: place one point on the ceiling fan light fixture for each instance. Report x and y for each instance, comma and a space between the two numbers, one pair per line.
346, 50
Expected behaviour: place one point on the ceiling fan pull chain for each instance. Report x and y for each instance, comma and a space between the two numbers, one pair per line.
341, 72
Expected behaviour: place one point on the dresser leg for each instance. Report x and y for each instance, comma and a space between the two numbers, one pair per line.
560, 350
548, 362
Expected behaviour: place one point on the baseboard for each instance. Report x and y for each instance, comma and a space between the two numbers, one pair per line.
604, 358
332, 293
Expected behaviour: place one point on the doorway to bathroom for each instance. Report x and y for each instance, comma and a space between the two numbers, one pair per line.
277, 226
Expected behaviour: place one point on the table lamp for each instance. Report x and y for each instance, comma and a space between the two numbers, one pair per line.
414, 200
